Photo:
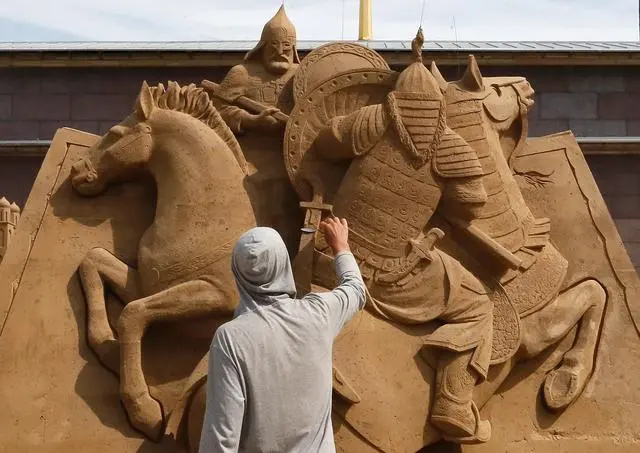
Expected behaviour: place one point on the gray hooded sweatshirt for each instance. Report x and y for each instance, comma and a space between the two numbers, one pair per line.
270, 368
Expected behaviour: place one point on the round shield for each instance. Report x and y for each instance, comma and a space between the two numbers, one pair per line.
330, 59
340, 95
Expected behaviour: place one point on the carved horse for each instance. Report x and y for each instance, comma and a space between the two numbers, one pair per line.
372, 421
176, 136
546, 314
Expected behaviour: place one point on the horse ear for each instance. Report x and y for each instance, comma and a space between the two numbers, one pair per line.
438, 76
472, 78
145, 103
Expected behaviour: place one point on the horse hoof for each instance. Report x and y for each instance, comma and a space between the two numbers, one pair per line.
108, 353
145, 414
563, 386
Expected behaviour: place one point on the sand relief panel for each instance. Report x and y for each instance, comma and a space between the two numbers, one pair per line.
491, 262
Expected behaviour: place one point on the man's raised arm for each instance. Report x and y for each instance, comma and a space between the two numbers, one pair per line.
349, 296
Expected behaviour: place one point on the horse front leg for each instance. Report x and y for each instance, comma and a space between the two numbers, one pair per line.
98, 269
187, 300
582, 304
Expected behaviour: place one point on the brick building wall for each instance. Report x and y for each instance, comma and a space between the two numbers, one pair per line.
34, 102
592, 101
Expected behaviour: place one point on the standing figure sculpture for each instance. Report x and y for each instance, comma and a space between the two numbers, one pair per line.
266, 76
405, 160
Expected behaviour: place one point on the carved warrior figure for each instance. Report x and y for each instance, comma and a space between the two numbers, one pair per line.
483, 111
405, 160
266, 77
183, 272
9, 215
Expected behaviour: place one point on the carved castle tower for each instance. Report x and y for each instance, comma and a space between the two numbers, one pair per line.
9, 215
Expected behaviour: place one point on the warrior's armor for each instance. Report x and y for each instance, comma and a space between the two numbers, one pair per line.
505, 217
270, 183
405, 160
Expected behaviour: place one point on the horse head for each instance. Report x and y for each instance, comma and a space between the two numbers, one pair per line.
177, 122
502, 102
120, 153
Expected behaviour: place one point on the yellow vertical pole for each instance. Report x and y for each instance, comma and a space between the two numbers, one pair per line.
365, 20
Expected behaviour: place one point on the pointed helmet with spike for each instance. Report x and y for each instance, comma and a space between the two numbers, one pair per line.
417, 109
417, 78
279, 28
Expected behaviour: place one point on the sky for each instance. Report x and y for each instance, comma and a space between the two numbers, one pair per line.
213, 20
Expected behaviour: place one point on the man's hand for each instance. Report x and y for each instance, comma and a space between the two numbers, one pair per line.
264, 120
336, 233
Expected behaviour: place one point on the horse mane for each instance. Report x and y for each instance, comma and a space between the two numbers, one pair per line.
195, 101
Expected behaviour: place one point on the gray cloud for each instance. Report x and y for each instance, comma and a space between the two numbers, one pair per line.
126, 20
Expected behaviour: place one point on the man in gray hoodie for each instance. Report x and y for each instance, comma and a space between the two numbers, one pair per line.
270, 368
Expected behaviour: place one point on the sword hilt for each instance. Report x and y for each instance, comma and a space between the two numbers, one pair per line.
424, 244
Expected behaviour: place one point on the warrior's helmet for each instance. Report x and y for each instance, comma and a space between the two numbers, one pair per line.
417, 107
416, 78
279, 28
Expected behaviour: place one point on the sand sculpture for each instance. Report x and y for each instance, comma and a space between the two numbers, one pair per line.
254, 99
9, 215
491, 261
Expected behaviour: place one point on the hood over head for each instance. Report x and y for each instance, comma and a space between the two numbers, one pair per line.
262, 269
